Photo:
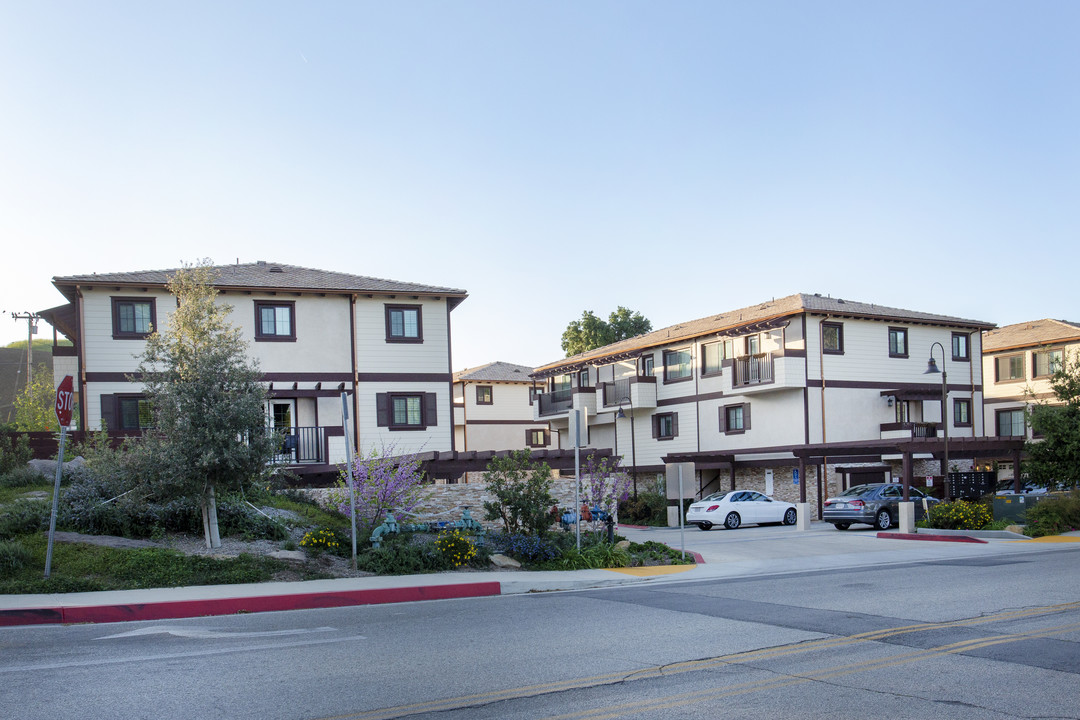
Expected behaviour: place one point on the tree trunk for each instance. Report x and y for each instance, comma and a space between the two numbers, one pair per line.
210, 523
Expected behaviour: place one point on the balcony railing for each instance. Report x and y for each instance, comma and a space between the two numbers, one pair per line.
924, 430
753, 370
302, 445
617, 391
556, 401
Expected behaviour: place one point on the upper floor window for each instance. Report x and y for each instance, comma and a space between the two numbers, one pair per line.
275, 320
713, 356
1010, 423
406, 411
898, 346
536, 437
404, 324
960, 350
735, 418
532, 394
677, 365
753, 344
832, 338
583, 378
962, 412
647, 365
1009, 367
133, 318
484, 395
665, 425
1046, 362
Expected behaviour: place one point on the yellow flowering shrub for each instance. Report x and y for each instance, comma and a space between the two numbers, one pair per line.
959, 515
455, 547
319, 541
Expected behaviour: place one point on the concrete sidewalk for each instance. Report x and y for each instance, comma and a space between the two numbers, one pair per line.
719, 554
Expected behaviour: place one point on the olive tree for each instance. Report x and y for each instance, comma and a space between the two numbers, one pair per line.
208, 406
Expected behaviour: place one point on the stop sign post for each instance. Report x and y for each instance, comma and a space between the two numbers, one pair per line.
64, 401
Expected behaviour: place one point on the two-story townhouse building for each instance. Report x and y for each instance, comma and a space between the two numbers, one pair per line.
315, 334
1018, 361
755, 397
493, 409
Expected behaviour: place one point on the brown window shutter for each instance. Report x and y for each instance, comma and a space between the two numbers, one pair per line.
382, 410
675, 424
746, 416
108, 412
655, 426
431, 410
723, 419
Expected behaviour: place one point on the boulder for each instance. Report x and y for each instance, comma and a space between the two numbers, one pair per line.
290, 555
503, 562
48, 467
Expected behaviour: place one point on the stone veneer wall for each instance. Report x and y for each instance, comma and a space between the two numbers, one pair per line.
446, 502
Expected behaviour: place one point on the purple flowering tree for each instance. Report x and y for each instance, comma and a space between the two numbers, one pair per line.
604, 484
384, 483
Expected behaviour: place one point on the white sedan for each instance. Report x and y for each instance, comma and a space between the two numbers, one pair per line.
739, 507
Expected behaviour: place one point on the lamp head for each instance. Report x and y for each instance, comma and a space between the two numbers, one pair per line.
620, 415
931, 367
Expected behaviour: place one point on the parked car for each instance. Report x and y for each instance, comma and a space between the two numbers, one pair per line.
1005, 487
739, 507
876, 504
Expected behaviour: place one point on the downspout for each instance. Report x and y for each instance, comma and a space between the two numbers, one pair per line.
823, 481
355, 374
464, 415
450, 373
80, 349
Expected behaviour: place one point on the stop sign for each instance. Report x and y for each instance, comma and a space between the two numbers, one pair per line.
64, 395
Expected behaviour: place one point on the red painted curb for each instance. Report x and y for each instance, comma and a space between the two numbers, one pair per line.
923, 536
230, 606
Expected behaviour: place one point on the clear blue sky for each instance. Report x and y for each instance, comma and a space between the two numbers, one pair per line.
677, 158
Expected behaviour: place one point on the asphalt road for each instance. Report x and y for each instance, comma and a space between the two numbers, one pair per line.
991, 635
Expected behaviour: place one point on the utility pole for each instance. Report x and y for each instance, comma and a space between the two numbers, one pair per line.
31, 329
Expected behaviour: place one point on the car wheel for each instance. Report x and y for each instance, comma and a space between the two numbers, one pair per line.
732, 521
791, 517
841, 526
883, 521
704, 526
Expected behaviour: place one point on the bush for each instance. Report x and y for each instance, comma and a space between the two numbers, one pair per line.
24, 517
23, 477
523, 494
455, 547
13, 557
648, 508
959, 515
601, 555
15, 449
327, 539
401, 556
1053, 515
524, 548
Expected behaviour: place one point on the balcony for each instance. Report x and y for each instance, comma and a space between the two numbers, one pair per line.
752, 370
560, 402
641, 392
302, 446
895, 430
764, 373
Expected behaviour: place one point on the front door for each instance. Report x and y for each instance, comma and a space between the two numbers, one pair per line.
281, 416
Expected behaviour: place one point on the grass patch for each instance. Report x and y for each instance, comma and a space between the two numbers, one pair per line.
312, 515
83, 568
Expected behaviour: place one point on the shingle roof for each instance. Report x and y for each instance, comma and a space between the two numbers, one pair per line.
744, 319
267, 276
495, 372
1031, 334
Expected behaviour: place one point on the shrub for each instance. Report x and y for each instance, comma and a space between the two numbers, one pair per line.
959, 515
524, 548
401, 557
13, 557
328, 540
523, 494
15, 449
648, 508
23, 477
23, 517
1053, 515
455, 547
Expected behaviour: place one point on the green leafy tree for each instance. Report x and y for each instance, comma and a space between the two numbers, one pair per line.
207, 403
522, 490
34, 404
591, 332
1053, 459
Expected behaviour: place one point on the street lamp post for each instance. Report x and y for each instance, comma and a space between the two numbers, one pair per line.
633, 441
931, 368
